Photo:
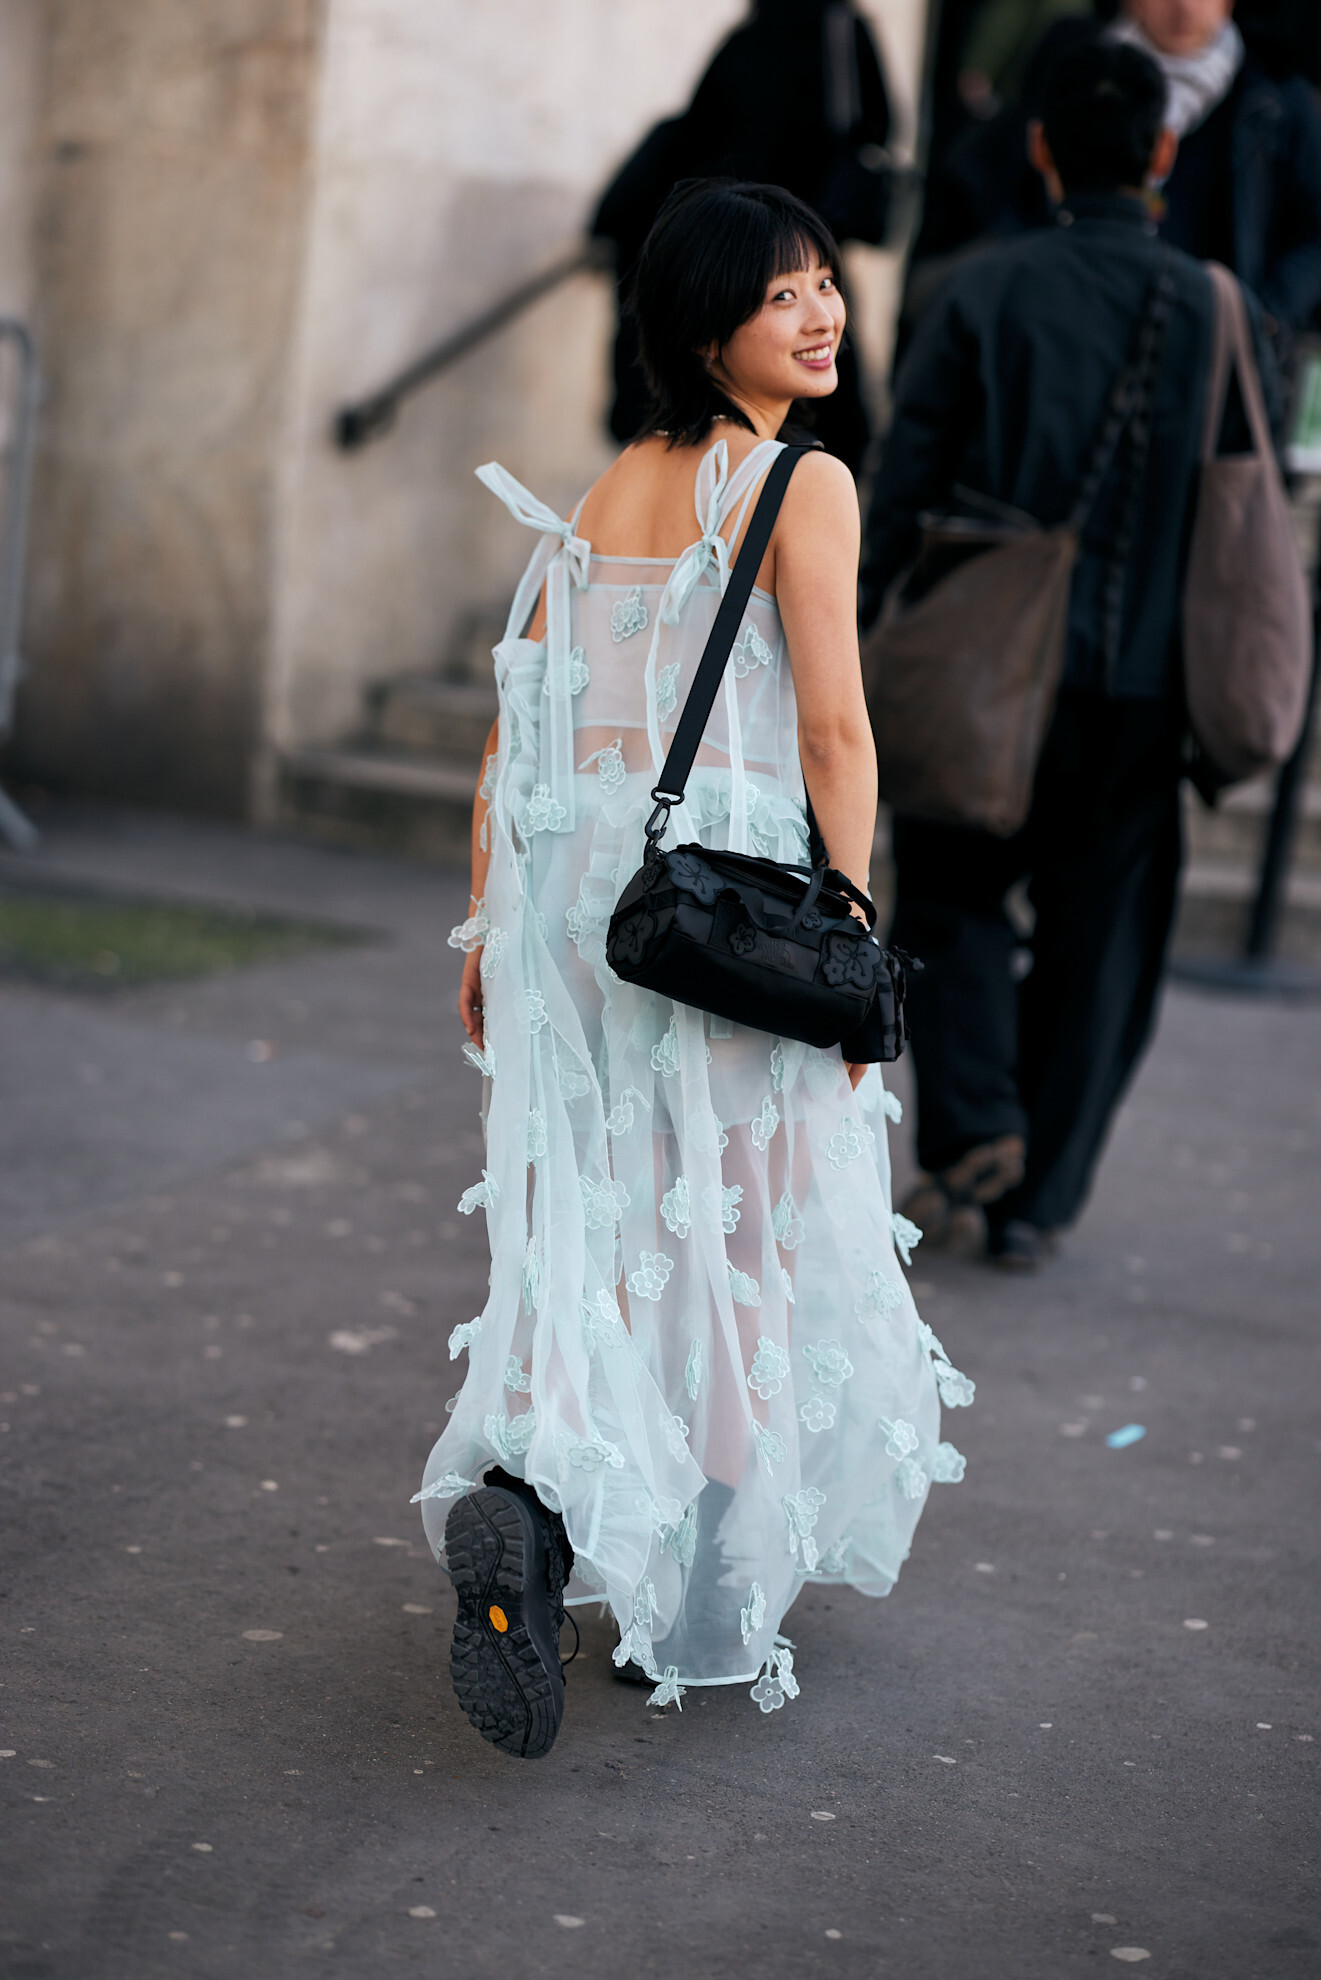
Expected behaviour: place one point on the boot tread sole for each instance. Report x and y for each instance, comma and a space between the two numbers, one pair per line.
500, 1678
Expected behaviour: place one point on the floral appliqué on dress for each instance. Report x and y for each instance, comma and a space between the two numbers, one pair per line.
748, 652
628, 615
770, 1365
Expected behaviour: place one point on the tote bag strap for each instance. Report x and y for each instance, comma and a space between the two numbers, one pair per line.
715, 655
1232, 353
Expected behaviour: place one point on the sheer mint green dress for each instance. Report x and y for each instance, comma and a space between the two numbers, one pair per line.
698, 1345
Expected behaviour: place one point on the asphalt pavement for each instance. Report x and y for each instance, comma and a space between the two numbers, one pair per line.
1083, 1728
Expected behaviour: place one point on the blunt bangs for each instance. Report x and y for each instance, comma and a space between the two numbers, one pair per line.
704, 270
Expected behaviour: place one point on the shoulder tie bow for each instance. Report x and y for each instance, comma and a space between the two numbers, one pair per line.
710, 547
560, 562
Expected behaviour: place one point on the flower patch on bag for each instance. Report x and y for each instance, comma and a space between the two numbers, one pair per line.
849, 959
694, 876
632, 938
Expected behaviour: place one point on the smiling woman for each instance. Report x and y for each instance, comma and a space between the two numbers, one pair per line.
699, 1378
735, 283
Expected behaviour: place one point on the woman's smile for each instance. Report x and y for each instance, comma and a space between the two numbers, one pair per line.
818, 357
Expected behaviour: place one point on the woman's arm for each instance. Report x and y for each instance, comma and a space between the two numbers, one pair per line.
816, 546
816, 574
470, 989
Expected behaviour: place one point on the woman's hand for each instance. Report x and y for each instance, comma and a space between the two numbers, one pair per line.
856, 1074
470, 998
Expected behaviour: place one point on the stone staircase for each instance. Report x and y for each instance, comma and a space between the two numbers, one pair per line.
406, 782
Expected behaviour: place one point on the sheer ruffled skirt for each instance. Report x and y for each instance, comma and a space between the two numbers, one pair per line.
698, 1345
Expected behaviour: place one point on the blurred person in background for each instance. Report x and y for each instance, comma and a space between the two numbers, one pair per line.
1003, 37
794, 98
1005, 391
1245, 188
1283, 35
982, 186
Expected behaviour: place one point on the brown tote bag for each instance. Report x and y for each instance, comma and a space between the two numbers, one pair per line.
961, 684
1247, 616
963, 669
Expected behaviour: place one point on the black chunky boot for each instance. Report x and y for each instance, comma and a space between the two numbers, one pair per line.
508, 1557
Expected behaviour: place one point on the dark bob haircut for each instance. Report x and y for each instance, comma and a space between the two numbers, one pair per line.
704, 270
1102, 112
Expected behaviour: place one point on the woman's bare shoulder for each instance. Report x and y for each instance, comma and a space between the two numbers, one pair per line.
822, 486
820, 506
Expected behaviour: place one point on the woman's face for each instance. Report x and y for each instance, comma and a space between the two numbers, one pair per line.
788, 349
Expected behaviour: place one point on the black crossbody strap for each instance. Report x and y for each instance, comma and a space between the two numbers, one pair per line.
715, 655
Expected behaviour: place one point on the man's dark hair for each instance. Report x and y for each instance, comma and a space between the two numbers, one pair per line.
1102, 112
703, 272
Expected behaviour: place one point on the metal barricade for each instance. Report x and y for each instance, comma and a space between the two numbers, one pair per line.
16, 451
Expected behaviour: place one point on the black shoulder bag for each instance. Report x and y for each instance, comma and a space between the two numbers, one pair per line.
770, 946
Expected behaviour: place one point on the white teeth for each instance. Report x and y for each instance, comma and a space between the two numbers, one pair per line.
809, 357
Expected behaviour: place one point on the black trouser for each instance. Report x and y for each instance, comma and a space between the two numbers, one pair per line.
1047, 1056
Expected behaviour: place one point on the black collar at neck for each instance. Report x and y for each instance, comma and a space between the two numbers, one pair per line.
1118, 208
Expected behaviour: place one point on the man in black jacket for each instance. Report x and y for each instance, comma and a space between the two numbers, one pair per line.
1246, 185
1005, 390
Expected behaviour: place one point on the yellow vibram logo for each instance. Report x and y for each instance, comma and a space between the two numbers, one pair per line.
499, 1620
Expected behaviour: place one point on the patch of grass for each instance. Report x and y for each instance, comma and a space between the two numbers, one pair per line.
95, 942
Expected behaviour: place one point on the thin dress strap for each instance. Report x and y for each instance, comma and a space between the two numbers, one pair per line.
714, 494
560, 561
745, 479
743, 485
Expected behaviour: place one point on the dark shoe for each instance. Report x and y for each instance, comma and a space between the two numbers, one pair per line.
630, 1673
984, 1174
505, 1559
945, 1207
1018, 1247
956, 1228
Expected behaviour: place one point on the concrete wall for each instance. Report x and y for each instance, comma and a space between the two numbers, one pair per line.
20, 93
459, 148
247, 212
172, 176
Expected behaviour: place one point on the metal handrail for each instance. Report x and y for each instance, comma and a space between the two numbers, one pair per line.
15, 828
368, 418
